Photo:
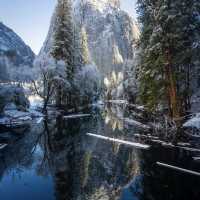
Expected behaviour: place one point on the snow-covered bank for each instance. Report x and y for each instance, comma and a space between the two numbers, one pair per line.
194, 122
132, 122
15, 110
15, 118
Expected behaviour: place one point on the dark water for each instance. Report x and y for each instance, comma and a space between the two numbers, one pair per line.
56, 160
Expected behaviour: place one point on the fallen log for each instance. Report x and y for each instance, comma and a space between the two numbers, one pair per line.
189, 149
2, 146
40, 120
133, 144
178, 169
146, 136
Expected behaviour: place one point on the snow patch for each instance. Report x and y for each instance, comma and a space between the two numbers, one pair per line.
135, 123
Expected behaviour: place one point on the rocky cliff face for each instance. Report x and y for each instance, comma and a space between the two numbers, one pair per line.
112, 33
14, 53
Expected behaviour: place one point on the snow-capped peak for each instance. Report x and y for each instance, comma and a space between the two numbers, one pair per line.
100, 5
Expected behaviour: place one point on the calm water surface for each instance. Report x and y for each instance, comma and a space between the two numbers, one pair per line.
56, 160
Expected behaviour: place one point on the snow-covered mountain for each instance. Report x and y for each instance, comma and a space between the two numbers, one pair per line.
14, 53
112, 33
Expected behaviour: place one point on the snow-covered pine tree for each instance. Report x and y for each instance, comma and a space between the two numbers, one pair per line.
169, 30
196, 45
150, 78
63, 47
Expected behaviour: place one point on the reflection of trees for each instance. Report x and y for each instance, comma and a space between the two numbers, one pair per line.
19, 155
89, 169
83, 168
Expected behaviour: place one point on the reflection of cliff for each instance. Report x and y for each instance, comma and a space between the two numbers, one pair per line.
85, 168
113, 117
116, 123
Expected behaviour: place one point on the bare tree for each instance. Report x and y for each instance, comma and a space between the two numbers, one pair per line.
44, 86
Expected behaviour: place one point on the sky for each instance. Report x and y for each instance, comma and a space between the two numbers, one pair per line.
30, 19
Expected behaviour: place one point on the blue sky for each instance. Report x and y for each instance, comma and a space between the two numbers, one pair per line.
30, 19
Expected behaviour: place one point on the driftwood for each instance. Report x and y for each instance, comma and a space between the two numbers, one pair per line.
76, 116
146, 136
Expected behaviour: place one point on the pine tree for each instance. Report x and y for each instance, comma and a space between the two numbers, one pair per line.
150, 73
63, 36
168, 35
63, 45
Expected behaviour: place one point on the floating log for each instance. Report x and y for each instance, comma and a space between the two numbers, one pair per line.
117, 102
40, 120
196, 158
165, 144
133, 144
189, 149
184, 144
76, 116
178, 169
2, 146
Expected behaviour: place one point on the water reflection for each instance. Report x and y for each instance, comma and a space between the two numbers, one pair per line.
66, 164
87, 168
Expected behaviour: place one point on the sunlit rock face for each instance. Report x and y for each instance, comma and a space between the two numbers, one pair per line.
112, 33
112, 37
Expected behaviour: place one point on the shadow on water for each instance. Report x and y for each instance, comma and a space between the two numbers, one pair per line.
56, 160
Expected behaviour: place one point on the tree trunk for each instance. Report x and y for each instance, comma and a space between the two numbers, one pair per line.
44, 110
172, 91
59, 97
188, 103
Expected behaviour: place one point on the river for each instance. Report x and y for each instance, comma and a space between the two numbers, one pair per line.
57, 160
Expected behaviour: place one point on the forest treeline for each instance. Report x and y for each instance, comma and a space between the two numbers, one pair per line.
169, 54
